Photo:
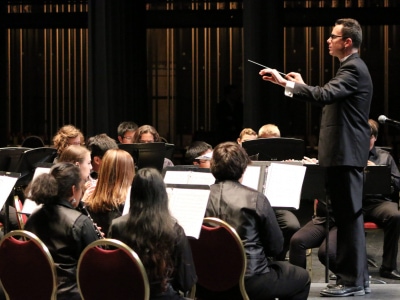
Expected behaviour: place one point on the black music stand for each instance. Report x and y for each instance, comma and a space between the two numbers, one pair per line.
275, 149
169, 150
146, 154
29, 161
377, 180
314, 183
10, 157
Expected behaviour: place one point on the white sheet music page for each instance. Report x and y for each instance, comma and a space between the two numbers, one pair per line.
176, 177
30, 206
251, 176
6, 185
189, 177
283, 185
188, 207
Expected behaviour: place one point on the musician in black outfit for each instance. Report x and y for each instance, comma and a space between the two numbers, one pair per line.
251, 214
63, 229
380, 209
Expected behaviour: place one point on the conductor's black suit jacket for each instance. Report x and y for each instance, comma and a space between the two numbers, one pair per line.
344, 132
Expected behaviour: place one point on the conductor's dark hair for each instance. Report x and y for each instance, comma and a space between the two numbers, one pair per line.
351, 29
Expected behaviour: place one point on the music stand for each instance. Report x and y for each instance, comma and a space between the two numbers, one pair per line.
377, 180
275, 149
9, 158
146, 155
29, 161
169, 150
314, 183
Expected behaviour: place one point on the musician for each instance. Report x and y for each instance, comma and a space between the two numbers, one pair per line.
80, 156
196, 149
247, 134
384, 210
251, 214
161, 243
342, 147
126, 132
67, 135
269, 131
148, 134
112, 188
63, 229
287, 220
98, 145
380, 209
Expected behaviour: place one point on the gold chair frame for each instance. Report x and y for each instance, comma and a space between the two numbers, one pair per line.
216, 222
27, 235
108, 242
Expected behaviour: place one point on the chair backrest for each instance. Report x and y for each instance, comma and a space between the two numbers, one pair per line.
32, 141
220, 261
113, 272
27, 270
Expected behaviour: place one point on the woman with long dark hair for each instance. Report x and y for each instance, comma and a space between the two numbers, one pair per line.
161, 243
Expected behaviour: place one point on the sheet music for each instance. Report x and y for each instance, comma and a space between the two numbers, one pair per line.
127, 204
251, 176
29, 205
188, 206
283, 185
6, 185
189, 177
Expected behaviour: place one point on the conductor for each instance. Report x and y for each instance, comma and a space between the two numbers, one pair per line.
343, 147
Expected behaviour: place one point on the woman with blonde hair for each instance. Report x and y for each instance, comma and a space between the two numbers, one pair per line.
107, 200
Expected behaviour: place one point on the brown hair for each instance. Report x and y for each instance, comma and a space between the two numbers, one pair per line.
74, 154
60, 139
374, 127
146, 129
115, 177
229, 161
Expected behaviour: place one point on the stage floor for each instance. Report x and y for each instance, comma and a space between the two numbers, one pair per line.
374, 240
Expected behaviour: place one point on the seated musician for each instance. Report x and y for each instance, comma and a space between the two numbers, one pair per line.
382, 210
287, 220
64, 230
251, 214
196, 149
151, 231
247, 134
148, 134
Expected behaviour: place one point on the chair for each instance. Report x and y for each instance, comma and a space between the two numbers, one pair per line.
114, 272
33, 141
27, 270
220, 262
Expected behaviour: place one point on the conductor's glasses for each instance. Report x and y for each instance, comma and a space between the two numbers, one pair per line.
334, 36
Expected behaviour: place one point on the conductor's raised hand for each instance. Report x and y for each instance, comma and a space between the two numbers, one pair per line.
295, 77
273, 76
